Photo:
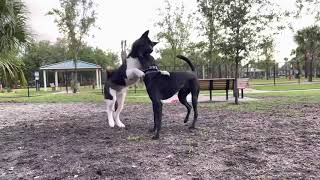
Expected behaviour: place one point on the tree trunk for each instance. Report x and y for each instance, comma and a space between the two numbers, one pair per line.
305, 66
267, 71
226, 69
315, 70
310, 69
236, 81
248, 70
75, 83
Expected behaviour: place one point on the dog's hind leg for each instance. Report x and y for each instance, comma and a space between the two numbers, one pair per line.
182, 95
110, 102
157, 110
120, 99
154, 123
195, 94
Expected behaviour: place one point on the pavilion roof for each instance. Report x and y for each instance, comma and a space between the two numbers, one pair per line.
69, 65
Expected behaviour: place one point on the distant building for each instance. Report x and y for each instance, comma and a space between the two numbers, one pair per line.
254, 73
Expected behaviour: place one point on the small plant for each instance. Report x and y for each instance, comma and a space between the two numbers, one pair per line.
134, 138
74, 86
9, 90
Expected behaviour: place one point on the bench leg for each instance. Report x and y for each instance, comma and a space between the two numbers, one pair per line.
242, 93
210, 95
227, 94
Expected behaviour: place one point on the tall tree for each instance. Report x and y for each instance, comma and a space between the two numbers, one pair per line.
175, 28
11, 69
310, 7
267, 47
301, 53
13, 35
242, 21
308, 40
75, 18
210, 27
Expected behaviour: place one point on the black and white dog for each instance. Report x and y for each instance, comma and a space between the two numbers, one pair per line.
127, 74
161, 87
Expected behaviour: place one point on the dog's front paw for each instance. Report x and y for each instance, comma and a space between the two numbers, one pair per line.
165, 73
111, 122
155, 137
141, 74
120, 124
152, 130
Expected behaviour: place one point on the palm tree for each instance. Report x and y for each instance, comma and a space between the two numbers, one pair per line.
13, 35
308, 40
11, 68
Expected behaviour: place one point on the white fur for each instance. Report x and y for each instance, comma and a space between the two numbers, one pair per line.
133, 71
110, 107
165, 73
121, 96
133, 63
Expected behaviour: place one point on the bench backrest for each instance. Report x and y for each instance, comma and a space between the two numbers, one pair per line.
216, 84
243, 83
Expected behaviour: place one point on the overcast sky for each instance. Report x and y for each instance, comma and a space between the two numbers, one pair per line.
128, 19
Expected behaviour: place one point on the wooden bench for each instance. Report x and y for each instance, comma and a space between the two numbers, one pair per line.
223, 84
217, 84
243, 83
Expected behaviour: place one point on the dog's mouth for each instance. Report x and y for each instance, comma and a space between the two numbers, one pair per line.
150, 51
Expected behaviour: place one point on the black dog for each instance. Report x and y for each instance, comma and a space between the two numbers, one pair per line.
161, 87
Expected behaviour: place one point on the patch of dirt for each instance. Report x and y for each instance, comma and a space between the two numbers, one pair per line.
67, 141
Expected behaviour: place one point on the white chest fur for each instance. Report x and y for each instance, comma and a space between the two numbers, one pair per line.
133, 63
133, 71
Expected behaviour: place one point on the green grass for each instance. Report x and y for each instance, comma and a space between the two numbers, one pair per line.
281, 80
267, 100
287, 87
85, 95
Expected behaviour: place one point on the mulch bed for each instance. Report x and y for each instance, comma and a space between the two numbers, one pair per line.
72, 140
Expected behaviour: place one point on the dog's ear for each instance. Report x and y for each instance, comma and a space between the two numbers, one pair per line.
154, 43
145, 34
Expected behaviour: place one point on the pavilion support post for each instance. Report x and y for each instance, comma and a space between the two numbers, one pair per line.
97, 78
100, 85
56, 81
44, 80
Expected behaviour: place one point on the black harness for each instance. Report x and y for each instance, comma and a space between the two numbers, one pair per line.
151, 69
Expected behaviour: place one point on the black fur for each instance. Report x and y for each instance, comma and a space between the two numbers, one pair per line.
143, 46
116, 78
161, 87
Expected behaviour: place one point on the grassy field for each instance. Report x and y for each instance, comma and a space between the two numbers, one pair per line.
286, 87
265, 100
281, 80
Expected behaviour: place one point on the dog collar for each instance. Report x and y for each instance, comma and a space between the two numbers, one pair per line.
151, 68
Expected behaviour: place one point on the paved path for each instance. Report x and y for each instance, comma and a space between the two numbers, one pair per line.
254, 91
222, 98
203, 98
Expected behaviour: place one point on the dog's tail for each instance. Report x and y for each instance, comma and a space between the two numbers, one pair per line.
188, 61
